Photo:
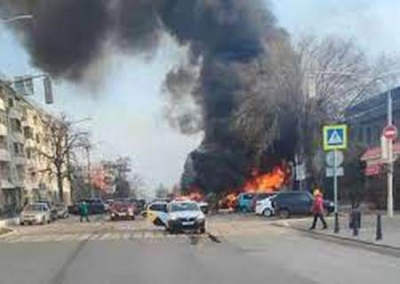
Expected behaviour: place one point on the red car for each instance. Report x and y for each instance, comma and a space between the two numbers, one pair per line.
122, 210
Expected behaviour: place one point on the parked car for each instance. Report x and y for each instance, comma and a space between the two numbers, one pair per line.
184, 216
122, 210
108, 204
35, 213
53, 209
296, 203
245, 202
141, 204
73, 209
135, 203
95, 206
204, 206
264, 207
260, 196
62, 210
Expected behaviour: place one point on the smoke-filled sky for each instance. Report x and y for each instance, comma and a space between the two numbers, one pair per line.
127, 110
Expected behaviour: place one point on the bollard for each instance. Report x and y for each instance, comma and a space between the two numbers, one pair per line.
336, 229
379, 227
355, 223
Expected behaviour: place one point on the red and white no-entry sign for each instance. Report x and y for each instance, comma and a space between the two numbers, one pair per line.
390, 132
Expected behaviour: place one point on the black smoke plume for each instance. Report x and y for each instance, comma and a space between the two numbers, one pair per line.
222, 38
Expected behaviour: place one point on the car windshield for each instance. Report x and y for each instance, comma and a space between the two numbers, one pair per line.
189, 206
35, 207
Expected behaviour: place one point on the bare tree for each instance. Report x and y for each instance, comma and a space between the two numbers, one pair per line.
295, 89
62, 140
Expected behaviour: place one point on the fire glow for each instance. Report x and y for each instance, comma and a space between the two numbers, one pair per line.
266, 182
258, 183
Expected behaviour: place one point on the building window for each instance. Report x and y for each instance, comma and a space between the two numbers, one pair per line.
369, 135
10, 102
360, 134
16, 125
3, 142
28, 132
18, 149
38, 138
29, 153
5, 170
35, 120
3, 118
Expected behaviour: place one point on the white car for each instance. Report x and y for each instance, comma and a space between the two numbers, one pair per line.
36, 213
184, 216
264, 207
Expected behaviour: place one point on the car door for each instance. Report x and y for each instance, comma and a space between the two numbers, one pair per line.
304, 203
163, 214
157, 211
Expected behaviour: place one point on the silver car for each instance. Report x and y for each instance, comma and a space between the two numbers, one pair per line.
62, 211
35, 213
185, 216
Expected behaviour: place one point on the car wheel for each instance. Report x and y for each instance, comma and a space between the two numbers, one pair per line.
267, 213
22, 223
202, 230
284, 213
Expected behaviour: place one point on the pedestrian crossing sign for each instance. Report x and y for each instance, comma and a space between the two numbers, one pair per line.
335, 137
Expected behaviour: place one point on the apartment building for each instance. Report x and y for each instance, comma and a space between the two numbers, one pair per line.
24, 174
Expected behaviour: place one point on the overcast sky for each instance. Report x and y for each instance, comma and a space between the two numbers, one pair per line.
126, 109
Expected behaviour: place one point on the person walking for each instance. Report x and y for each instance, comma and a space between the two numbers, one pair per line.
318, 210
83, 211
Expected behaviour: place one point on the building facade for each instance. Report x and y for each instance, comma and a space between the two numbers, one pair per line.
24, 173
366, 121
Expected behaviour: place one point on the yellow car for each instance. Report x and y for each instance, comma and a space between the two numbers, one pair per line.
156, 213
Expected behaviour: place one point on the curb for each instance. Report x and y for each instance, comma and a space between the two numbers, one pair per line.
378, 248
4, 231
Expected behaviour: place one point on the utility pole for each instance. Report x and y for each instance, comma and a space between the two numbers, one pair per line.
89, 177
390, 158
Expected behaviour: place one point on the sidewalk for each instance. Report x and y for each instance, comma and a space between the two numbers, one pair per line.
9, 222
367, 233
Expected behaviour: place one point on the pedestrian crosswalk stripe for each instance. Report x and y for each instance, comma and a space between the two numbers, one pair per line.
105, 236
151, 236
137, 235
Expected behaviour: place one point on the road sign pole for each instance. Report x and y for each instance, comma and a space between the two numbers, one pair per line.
335, 192
390, 159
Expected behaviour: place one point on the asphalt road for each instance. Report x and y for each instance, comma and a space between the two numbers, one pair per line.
136, 252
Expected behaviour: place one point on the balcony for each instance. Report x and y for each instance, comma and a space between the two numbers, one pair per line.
6, 183
18, 137
3, 130
4, 155
15, 113
20, 160
2, 105
30, 143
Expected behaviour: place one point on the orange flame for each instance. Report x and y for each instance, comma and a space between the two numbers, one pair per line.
266, 182
194, 194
